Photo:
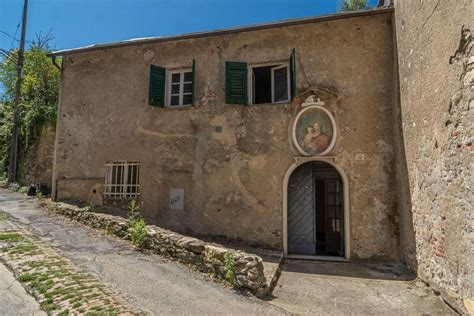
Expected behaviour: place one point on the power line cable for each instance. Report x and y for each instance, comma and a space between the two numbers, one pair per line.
9, 35
16, 32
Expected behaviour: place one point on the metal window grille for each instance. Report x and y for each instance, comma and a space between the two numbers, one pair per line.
122, 180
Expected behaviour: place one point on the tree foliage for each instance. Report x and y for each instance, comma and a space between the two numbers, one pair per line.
354, 5
39, 96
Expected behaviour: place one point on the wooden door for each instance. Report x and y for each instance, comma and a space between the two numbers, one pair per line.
301, 215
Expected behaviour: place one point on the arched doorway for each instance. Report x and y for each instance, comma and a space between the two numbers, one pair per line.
315, 211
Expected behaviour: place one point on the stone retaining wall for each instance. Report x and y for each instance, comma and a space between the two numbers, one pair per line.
206, 257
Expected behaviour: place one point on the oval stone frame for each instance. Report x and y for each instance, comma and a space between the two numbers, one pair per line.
308, 107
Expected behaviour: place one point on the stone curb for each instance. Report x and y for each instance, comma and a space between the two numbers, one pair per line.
205, 257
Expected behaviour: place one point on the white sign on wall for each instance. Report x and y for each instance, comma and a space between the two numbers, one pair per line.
176, 199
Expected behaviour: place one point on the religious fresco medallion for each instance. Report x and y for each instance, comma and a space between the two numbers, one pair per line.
314, 129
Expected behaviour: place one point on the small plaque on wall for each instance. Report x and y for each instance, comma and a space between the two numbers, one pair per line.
176, 199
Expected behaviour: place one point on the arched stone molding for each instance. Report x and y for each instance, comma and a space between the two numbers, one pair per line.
345, 182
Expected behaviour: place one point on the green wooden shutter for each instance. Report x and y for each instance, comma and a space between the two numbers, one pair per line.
236, 83
293, 73
193, 78
156, 93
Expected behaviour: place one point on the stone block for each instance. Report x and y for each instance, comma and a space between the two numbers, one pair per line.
192, 244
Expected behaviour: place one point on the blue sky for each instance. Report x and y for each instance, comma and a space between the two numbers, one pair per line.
76, 23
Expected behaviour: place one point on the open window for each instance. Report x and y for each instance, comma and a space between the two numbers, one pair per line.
270, 84
260, 84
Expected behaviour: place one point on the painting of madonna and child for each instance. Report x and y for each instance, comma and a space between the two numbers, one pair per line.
314, 131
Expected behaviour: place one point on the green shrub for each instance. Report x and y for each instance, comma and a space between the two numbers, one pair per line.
354, 5
39, 97
14, 186
137, 226
133, 210
229, 261
25, 277
23, 189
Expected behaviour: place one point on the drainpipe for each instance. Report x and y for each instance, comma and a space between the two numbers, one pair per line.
54, 182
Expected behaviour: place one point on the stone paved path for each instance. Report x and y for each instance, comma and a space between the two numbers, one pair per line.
149, 282
56, 283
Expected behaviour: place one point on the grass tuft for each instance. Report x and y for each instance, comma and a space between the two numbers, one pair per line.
25, 277
12, 237
5, 217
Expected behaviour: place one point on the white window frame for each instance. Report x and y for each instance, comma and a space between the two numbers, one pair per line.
288, 89
275, 65
112, 190
169, 76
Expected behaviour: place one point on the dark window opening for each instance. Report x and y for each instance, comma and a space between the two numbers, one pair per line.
262, 85
270, 84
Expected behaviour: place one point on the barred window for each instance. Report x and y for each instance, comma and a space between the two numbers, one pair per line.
122, 180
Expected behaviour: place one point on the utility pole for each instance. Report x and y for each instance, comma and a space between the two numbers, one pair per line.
13, 161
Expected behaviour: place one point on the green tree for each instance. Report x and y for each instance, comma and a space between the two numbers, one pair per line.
39, 96
354, 5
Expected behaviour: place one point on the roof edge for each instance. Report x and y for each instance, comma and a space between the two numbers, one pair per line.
241, 29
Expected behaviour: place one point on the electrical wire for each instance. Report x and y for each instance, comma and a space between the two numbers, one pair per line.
16, 32
10, 36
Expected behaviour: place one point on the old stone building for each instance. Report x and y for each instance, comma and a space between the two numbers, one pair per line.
325, 138
226, 154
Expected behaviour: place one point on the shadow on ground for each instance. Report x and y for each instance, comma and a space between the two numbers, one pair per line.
353, 269
358, 287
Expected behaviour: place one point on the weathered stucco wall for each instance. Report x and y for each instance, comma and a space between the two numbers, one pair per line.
231, 159
436, 65
37, 161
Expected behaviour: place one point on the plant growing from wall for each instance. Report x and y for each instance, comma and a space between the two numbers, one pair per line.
136, 226
229, 263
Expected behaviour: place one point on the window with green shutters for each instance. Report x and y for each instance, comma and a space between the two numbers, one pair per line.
171, 88
269, 82
180, 91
